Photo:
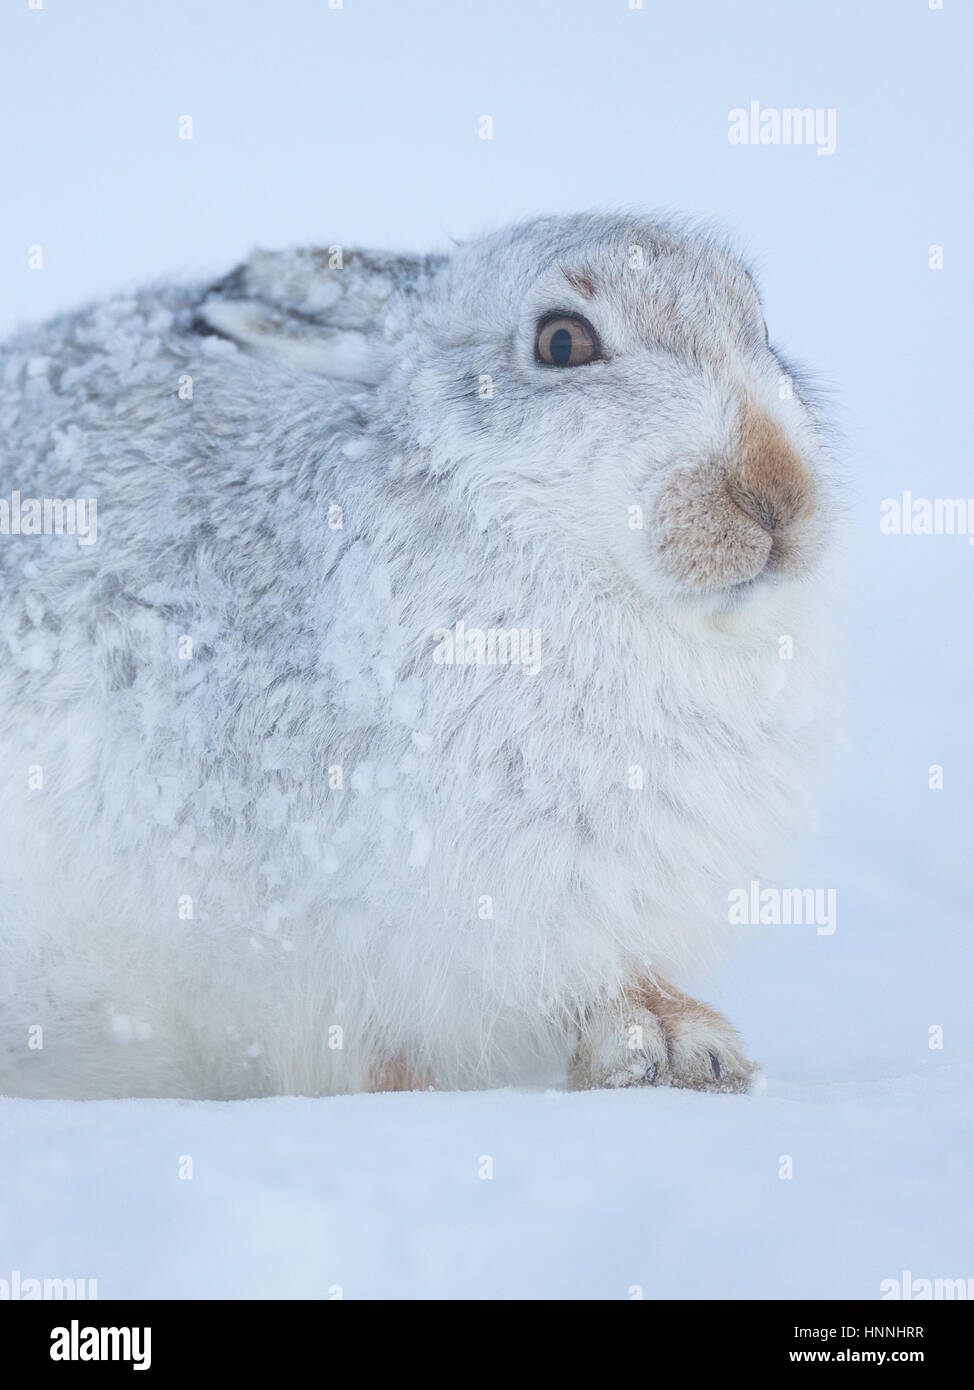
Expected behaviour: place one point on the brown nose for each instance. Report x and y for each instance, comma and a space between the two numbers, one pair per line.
722, 521
767, 480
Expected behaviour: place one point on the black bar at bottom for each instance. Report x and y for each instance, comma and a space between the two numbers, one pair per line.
59, 1340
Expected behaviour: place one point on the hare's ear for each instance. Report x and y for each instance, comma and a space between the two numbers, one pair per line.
321, 310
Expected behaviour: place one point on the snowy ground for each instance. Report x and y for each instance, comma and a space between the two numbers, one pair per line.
591, 1195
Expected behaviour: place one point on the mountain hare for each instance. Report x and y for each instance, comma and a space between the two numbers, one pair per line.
395, 681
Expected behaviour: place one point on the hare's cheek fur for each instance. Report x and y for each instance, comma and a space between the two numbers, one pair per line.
724, 521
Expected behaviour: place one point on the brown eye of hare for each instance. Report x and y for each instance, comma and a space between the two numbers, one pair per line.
566, 340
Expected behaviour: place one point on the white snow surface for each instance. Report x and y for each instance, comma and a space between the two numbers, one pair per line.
592, 1195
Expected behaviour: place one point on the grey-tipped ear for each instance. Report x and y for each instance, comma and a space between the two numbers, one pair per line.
318, 310
347, 354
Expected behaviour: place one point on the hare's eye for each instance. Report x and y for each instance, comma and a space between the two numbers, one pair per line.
565, 340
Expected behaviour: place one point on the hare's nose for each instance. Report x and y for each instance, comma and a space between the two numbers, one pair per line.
746, 510
767, 480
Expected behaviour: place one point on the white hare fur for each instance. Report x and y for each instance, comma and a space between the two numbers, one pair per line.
400, 871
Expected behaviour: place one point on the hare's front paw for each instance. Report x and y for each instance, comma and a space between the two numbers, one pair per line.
655, 1036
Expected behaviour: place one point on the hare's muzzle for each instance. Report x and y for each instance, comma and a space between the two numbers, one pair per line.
729, 519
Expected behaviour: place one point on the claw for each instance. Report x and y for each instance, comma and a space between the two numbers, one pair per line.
715, 1065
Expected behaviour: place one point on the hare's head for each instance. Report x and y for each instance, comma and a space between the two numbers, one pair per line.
603, 386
